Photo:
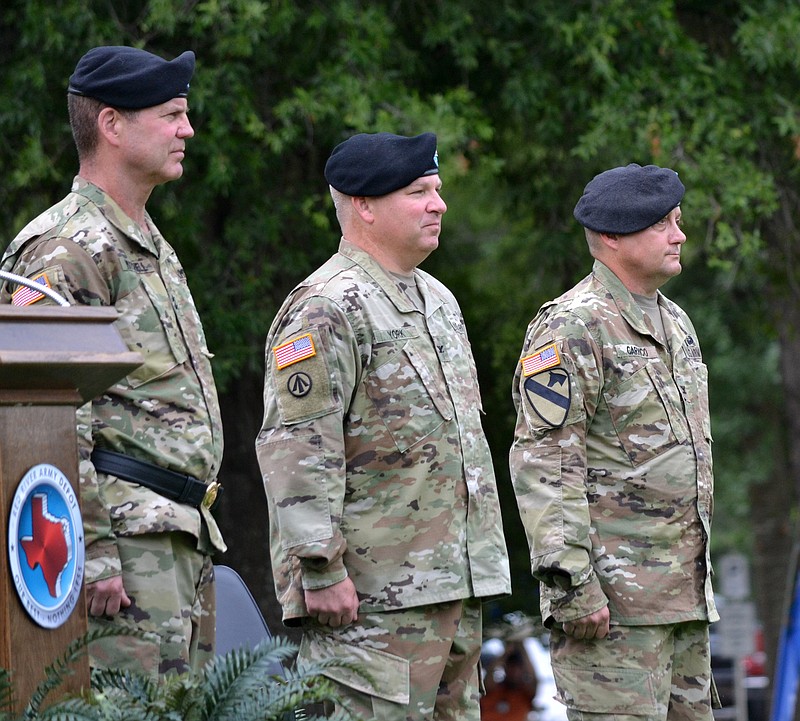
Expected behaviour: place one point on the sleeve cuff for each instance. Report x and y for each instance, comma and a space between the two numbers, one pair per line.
314, 578
102, 561
579, 602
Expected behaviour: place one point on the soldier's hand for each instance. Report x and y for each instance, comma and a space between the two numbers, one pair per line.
335, 605
595, 625
106, 597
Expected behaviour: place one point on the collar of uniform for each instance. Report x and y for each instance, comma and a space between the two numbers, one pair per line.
382, 277
628, 307
115, 215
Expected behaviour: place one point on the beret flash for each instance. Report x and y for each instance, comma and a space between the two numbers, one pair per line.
372, 164
130, 78
628, 199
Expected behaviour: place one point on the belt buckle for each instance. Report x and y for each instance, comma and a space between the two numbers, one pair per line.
212, 491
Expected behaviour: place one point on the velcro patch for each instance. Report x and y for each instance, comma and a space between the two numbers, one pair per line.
691, 349
543, 359
26, 296
294, 351
302, 391
550, 394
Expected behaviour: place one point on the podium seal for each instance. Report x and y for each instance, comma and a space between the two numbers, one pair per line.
46, 545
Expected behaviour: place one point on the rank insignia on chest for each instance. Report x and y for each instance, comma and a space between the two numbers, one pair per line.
691, 349
294, 351
546, 358
549, 395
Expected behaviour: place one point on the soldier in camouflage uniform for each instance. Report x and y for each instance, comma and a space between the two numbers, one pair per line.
611, 465
385, 522
148, 551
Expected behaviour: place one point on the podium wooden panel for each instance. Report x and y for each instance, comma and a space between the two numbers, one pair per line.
52, 359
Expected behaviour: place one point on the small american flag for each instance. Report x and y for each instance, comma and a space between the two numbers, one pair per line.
25, 295
294, 350
544, 359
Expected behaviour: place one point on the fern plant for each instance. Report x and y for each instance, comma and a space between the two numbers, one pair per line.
241, 685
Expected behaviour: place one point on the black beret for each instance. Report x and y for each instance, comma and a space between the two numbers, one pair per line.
628, 199
130, 78
371, 164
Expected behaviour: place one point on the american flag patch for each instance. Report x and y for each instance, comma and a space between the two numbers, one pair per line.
544, 359
294, 350
25, 296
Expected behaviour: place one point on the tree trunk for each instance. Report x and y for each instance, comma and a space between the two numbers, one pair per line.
774, 502
774, 499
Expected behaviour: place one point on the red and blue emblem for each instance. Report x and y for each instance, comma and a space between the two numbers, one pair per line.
46, 545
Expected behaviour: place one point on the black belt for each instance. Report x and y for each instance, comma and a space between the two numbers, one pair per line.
172, 485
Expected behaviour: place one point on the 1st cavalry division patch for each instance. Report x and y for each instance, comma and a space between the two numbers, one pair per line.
549, 394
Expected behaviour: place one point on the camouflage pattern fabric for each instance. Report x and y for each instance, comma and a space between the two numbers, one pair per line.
373, 458
637, 673
416, 664
611, 462
174, 607
166, 411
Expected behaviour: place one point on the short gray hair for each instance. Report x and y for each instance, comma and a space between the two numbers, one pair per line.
341, 204
593, 240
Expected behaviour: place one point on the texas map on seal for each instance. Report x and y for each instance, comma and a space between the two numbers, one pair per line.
49, 546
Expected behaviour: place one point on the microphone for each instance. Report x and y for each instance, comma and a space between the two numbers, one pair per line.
33, 285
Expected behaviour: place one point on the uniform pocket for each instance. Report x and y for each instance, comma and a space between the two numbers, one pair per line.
125, 651
148, 326
383, 675
301, 504
406, 396
641, 416
536, 476
606, 691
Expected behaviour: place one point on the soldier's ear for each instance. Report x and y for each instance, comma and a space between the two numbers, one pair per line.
610, 240
363, 208
108, 124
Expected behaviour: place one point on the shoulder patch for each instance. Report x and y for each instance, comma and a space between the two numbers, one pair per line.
550, 395
540, 361
302, 391
294, 351
27, 296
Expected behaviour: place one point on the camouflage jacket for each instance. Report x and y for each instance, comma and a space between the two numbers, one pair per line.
373, 458
611, 462
166, 411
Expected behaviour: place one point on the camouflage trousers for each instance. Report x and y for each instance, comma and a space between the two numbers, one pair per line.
422, 663
171, 587
636, 673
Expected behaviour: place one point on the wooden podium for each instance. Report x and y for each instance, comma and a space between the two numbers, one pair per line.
52, 360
